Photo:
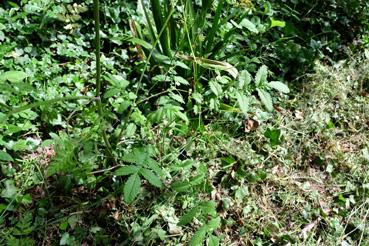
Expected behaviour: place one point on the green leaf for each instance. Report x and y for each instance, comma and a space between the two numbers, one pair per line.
213, 224
209, 207
245, 78
266, 99
10, 190
180, 80
243, 102
249, 25
261, 76
279, 86
132, 188
197, 179
187, 218
13, 76
199, 237
213, 240
215, 88
273, 135
177, 97
151, 177
181, 186
126, 170
5, 156
277, 23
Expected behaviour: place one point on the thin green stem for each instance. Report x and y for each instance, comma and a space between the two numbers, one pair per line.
98, 76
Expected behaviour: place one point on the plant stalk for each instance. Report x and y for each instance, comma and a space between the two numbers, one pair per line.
98, 76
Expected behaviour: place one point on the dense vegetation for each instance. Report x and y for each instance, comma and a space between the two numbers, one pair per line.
179, 122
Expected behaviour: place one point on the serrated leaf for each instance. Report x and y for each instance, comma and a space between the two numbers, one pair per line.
208, 207
13, 76
197, 179
151, 177
132, 188
261, 75
177, 97
131, 129
249, 25
5, 156
213, 240
199, 237
215, 88
181, 80
266, 99
187, 218
243, 102
245, 78
126, 170
279, 86
213, 224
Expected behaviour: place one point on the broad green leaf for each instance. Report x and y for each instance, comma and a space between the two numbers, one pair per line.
245, 78
151, 177
266, 99
243, 102
213, 224
249, 25
277, 23
187, 218
13, 76
126, 170
132, 188
213, 240
199, 237
261, 75
131, 129
5, 156
279, 86
215, 88
209, 207
117, 80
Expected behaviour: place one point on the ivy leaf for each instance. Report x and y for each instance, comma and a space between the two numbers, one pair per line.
261, 76
279, 86
132, 188
5, 156
266, 99
243, 102
126, 170
151, 177
13, 76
